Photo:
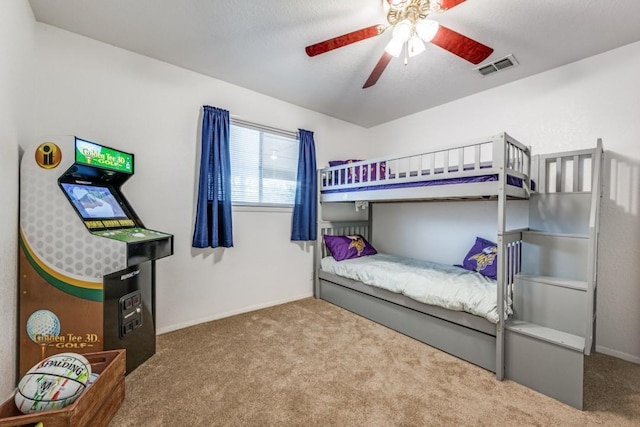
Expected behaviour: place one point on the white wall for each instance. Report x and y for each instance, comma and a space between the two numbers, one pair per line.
440, 231
563, 109
153, 109
16, 47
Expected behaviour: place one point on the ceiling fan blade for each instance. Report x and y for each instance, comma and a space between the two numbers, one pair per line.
344, 40
378, 69
466, 48
448, 4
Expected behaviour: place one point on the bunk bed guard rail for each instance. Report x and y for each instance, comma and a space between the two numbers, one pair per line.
483, 157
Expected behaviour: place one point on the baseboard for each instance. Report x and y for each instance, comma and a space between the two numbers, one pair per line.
242, 310
620, 355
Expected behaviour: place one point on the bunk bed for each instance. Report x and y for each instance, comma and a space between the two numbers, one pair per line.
546, 274
494, 168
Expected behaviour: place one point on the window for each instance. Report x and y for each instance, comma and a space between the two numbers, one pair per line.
264, 165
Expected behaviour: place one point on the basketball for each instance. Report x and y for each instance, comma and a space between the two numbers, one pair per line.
92, 379
53, 383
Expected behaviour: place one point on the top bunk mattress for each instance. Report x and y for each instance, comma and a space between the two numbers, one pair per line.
446, 286
511, 180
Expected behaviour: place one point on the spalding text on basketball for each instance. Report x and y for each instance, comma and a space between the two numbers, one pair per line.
77, 369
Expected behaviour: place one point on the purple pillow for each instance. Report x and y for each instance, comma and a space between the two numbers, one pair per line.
349, 177
354, 174
483, 258
346, 247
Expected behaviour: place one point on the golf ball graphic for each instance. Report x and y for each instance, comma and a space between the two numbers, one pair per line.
42, 323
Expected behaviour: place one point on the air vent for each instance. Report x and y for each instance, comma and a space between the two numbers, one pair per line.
497, 65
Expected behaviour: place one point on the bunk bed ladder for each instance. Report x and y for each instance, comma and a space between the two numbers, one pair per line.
592, 272
553, 324
515, 158
500, 155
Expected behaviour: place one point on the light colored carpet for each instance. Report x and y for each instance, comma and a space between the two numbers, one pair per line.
310, 363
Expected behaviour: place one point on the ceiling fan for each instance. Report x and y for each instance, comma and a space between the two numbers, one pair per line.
411, 29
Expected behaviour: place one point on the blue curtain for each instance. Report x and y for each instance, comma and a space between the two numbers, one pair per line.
213, 215
305, 204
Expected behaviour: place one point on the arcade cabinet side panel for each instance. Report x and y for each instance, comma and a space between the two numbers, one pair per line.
52, 320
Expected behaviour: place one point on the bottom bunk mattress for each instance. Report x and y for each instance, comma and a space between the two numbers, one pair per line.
450, 287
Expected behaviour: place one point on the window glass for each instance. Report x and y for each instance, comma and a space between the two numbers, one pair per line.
264, 166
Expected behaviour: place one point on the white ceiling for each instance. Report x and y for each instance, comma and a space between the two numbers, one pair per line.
259, 45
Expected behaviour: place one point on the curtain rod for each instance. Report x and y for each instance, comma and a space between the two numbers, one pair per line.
256, 126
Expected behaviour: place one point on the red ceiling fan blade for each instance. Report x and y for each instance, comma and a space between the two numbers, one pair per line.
378, 69
448, 4
466, 48
345, 39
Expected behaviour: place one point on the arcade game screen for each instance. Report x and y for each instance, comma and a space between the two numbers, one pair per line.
93, 201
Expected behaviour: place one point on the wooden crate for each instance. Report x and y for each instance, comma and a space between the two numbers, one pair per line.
95, 407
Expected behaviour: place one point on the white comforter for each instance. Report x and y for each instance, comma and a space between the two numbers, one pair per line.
453, 288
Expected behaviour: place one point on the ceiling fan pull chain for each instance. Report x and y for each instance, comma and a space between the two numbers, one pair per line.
406, 54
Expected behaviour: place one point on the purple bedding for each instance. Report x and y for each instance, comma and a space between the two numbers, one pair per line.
482, 178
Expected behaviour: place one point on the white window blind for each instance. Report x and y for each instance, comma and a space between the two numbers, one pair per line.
264, 165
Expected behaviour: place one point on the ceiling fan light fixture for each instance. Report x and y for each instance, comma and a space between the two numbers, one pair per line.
415, 45
427, 29
402, 30
394, 47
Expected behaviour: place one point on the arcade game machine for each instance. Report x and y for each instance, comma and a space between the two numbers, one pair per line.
87, 262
